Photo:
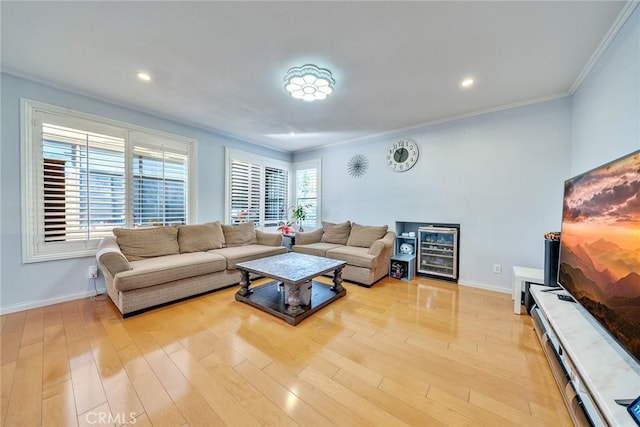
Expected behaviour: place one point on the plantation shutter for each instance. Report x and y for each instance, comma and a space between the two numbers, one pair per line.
245, 188
82, 183
276, 197
78, 174
160, 183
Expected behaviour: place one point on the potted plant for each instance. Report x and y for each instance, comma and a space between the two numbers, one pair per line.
299, 214
285, 229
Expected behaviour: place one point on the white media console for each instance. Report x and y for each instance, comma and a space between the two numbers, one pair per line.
590, 367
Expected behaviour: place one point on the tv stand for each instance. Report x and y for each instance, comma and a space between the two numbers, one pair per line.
590, 367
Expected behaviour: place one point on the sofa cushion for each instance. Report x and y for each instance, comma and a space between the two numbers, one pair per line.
141, 243
307, 237
364, 235
353, 255
336, 233
317, 249
163, 269
200, 237
238, 254
239, 235
268, 239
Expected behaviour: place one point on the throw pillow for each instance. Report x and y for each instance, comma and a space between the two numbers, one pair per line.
266, 238
200, 237
239, 235
308, 237
336, 233
141, 243
363, 236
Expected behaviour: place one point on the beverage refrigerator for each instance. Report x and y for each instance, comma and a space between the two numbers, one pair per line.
438, 252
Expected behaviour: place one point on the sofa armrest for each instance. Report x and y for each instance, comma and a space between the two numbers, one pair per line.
268, 239
110, 257
308, 237
380, 245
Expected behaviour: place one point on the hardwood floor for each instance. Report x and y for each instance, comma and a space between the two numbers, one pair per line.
424, 353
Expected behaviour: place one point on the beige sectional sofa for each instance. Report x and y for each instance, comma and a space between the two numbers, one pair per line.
366, 249
151, 266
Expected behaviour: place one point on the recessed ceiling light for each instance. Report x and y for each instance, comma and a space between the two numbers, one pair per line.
467, 83
144, 76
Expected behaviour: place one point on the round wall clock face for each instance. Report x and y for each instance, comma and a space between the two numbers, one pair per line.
402, 155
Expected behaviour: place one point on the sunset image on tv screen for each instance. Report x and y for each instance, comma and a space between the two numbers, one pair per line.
600, 246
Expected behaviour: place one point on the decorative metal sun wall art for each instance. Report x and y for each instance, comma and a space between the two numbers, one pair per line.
358, 165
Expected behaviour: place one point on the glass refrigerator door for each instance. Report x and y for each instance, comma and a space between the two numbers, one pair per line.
438, 251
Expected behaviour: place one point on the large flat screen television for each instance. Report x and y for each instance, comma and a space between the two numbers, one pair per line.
599, 262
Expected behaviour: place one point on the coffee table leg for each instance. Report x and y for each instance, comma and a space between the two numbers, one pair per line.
294, 300
337, 280
244, 283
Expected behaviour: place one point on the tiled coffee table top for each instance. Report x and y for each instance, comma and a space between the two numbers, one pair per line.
292, 266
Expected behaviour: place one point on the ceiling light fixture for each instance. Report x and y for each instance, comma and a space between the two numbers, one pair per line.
309, 82
144, 76
467, 83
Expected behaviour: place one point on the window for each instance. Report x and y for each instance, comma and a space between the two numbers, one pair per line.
160, 183
258, 190
82, 183
307, 191
245, 188
85, 175
276, 190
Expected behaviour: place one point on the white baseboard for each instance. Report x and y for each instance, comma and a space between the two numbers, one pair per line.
485, 287
43, 303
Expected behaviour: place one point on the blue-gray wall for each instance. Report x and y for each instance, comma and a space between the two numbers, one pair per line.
28, 285
606, 107
499, 175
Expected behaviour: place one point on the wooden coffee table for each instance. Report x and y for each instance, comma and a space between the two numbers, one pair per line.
290, 272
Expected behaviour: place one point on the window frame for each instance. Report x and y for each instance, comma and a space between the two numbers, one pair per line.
309, 164
32, 195
264, 162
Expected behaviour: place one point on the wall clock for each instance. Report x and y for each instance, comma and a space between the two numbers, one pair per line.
402, 155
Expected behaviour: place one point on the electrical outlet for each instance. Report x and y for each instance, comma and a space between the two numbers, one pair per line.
93, 272
497, 269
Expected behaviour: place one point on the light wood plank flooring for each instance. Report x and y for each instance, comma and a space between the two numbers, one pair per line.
424, 353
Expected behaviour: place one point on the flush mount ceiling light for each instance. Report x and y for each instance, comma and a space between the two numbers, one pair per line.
309, 82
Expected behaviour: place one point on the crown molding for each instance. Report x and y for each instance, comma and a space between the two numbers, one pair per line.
622, 18
398, 131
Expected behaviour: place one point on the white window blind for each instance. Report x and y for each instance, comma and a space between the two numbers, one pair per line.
84, 175
275, 196
82, 183
160, 186
245, 187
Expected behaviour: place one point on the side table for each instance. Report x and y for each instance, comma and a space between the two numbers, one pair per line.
288, 240
402, 262
402, 265
522, 275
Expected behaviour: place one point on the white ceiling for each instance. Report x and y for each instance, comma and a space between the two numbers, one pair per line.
220, 65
